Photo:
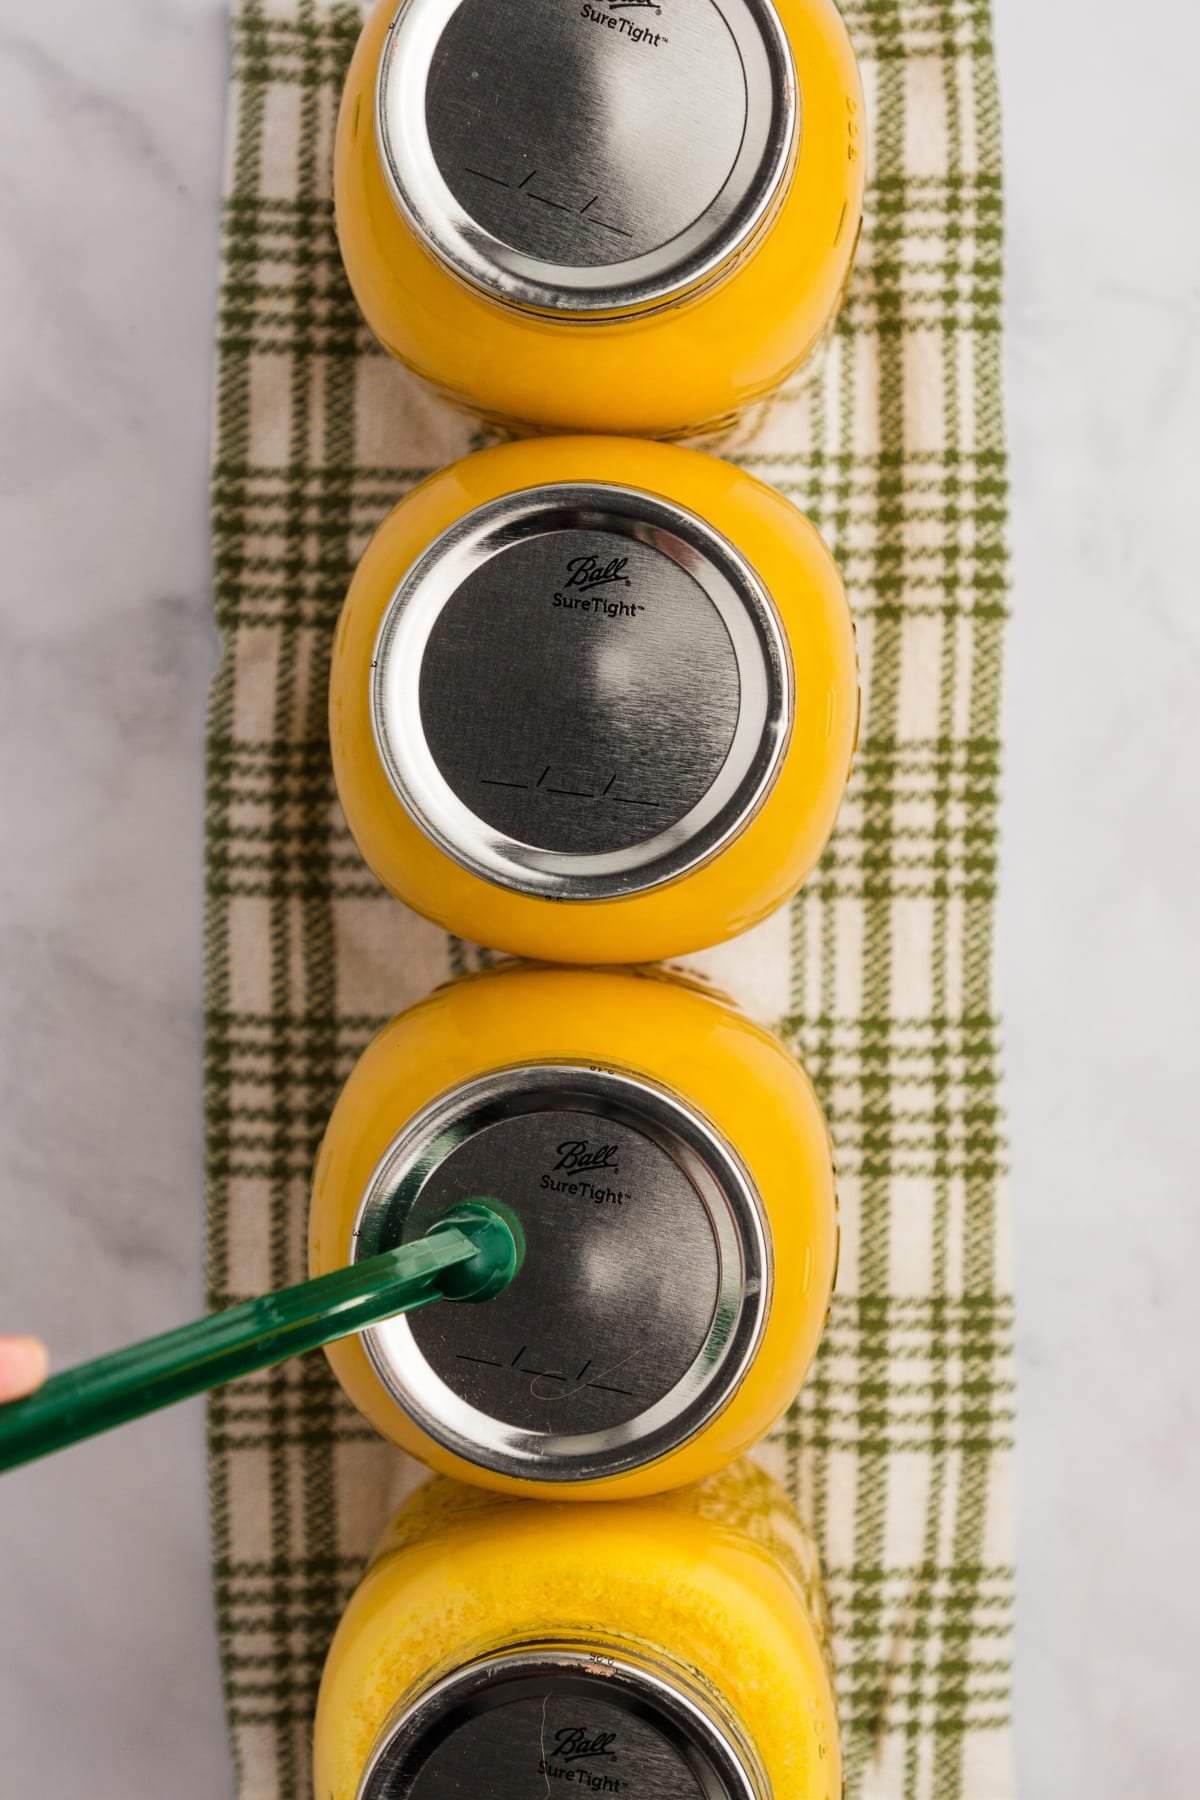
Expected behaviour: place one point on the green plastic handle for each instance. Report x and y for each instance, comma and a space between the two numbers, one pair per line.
471, 1253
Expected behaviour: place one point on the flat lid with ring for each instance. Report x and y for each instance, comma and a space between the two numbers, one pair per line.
541, 1719
643, 1294
587, 156
581, 692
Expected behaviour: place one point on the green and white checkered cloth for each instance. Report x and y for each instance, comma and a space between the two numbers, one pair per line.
880, 974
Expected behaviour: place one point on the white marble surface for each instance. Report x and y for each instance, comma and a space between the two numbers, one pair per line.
1100, 957
110, 135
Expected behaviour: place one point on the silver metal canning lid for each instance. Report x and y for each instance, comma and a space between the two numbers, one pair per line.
587, 156
581, 691
573, 1719
646, 1283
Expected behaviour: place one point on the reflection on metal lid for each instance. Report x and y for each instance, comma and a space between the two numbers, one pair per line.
581, 692
561, 1715
645, 1285
587, 156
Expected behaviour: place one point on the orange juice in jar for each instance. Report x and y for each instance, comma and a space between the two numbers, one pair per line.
671, 1171
629, 216
667, 1649
594, 699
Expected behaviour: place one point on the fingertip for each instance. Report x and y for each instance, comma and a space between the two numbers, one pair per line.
24, 1363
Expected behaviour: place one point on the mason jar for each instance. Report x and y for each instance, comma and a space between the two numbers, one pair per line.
629, 216
670, 1168
665, 1649
594, 699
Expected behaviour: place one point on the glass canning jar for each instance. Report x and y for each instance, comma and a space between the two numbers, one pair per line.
630, 216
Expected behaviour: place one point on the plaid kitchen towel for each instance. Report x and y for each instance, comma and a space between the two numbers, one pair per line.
880, 974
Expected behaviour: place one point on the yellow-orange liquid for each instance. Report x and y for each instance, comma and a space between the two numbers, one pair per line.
658, 374
736, 1076
716, 1586
775, 850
